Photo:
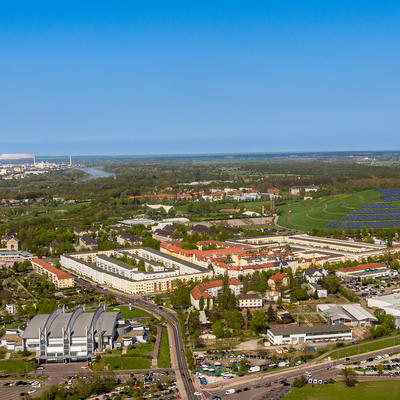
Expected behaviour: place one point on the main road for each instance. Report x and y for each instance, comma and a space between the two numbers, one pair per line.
171, 320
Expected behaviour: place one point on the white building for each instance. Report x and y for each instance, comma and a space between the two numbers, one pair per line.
250, 300
308, 334
351, 314
389, 303
316, 288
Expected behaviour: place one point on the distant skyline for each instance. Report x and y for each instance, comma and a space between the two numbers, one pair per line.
178, 77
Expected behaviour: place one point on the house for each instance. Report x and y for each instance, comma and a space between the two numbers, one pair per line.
295, 191
314, 275
79, 232
87, 241
10, 308
211, 289
13, 244
272, 295
280, 279
317, 288
54, 244
124, 238
250, 300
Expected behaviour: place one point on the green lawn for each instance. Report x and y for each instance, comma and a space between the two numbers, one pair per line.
126, 313
127, 362
140, 349
363, 348
378, 390
308, 214
17, 366
164, 358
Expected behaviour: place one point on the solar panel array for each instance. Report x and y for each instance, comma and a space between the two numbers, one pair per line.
373, 215
391, 194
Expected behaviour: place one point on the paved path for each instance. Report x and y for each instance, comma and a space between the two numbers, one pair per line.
156, 347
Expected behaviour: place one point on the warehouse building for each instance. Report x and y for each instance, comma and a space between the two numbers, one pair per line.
389, 303
309, 334
350, 314
73, 336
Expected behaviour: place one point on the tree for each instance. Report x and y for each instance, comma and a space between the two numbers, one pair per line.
300, 382
218, 329
201, 303
271, 315
349, 376
258, 322
332, 283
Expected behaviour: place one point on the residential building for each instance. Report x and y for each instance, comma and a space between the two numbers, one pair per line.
314, 275
60, 278
87, 242
250, 300
158, 273
317, 288
280, 279
211, 289
126, 238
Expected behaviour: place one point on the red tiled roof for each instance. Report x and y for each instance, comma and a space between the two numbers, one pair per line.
60, 274
360, 267
278, 276
200, 290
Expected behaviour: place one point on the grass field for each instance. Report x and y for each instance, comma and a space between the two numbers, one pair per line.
378, 390
164, 358
363, 348
126, 313
123, 362
140, 349
17, 366
308, 214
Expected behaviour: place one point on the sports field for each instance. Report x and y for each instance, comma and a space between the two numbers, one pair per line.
376, 390
308, 214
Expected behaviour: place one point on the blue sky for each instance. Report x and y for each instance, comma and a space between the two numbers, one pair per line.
155, 77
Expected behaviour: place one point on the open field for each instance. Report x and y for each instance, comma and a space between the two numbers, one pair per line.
123, 362
308, 214
17, 366
126, 313
376, 390
164, 358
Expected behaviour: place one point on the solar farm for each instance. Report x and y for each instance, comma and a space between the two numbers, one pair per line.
370, 209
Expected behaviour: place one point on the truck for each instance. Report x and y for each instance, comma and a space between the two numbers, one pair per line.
255, 369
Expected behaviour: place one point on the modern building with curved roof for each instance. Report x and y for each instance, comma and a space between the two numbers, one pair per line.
71, 336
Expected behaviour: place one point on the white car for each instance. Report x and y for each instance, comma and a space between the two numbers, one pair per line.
197, 393
230, 391
31, 391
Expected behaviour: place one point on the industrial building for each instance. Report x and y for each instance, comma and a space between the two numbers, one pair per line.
73, 336
309, 334
389, 303
351, 314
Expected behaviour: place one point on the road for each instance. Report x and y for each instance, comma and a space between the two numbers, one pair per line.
182, 372
323, 370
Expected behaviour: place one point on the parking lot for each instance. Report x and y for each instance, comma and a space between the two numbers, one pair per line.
370, 288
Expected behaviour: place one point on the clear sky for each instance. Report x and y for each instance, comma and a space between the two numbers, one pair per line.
140, 77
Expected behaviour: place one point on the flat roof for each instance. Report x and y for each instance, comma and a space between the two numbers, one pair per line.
310, 330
